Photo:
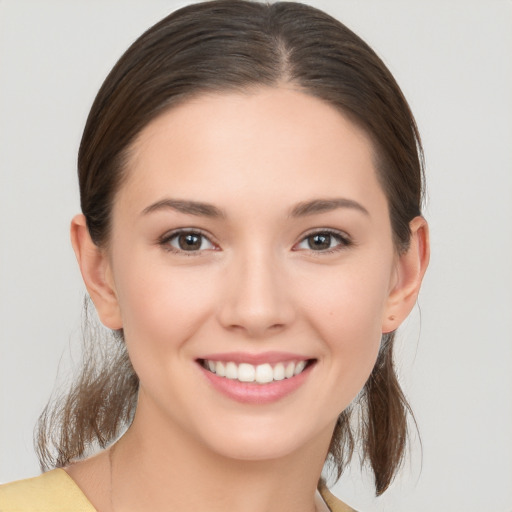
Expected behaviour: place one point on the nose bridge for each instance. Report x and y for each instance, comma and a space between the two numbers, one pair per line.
256, 299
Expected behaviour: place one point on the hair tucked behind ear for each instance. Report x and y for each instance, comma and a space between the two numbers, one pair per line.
237, 45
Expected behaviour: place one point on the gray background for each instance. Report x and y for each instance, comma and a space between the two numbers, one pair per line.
453, 62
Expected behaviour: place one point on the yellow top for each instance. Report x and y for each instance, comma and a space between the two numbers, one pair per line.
55, 491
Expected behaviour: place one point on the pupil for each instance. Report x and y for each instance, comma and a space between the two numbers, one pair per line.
319, 242
190, 242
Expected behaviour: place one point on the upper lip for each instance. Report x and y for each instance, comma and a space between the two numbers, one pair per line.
255, 359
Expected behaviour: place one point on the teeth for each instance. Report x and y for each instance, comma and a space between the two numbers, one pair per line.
264, 373
232, 371
299, 367
246, 372
261, 374
279, 371
220, 369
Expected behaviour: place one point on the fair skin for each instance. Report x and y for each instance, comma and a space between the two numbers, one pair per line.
288, 258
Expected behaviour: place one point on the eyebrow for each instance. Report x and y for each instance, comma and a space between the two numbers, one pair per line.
326, 205
187, 207
302, 209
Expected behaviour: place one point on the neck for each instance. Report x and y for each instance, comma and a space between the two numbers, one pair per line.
162, 470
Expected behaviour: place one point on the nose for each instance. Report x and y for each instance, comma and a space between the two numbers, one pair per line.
256, 300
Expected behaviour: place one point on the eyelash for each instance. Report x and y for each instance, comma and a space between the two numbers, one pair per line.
165, 242
343, 240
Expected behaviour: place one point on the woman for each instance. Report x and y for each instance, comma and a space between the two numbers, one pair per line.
251, 191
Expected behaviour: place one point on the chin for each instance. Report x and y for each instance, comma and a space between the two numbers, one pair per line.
268, 442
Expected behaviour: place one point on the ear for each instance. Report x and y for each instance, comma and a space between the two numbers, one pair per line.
97, 273
410, 269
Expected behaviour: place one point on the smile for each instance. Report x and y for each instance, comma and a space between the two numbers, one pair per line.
259, 374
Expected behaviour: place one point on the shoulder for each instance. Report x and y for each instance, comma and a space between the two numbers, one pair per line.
334, 504
53, 491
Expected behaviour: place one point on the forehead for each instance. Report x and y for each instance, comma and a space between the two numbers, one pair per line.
276, 143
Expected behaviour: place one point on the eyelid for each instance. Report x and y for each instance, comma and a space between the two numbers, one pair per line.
169, 235
343, 238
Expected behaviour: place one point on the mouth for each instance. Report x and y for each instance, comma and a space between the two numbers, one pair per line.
264, 373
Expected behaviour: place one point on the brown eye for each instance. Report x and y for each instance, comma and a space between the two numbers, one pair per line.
323, 241
188, 241
319, 241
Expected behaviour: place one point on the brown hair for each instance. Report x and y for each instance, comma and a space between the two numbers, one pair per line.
226, 45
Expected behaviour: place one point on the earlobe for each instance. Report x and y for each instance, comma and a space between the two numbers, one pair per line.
411, 267
96, 273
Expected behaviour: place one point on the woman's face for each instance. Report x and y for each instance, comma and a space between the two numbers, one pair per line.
251, 237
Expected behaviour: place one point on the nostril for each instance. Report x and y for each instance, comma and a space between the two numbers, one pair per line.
276, 326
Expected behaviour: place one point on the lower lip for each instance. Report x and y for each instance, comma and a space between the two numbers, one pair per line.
253, 393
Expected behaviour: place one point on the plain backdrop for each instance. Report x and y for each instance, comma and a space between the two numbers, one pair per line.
453, 62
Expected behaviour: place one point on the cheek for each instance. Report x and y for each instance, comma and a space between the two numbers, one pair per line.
348, 300
353, 334
345, 308
162, 307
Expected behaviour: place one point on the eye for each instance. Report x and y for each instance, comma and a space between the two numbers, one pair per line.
323, 241
187, 241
